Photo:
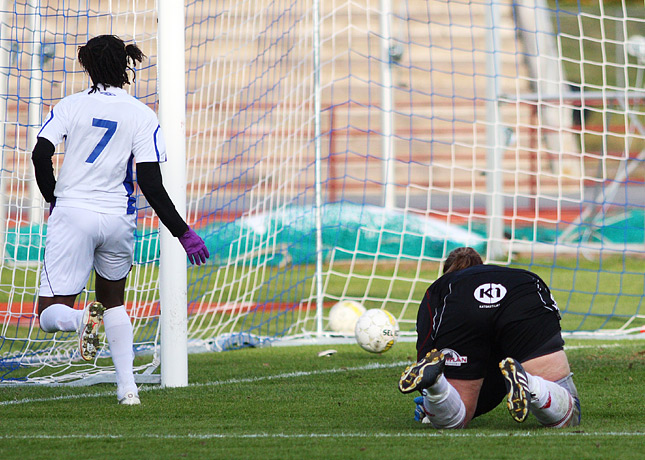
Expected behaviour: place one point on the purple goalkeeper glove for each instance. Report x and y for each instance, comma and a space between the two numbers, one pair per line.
194, 247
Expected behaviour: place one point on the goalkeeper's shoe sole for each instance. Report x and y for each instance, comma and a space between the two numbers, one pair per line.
88, 334
517, 385
423, 374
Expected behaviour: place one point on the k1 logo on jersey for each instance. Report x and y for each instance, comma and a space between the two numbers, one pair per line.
490, 293
453, 358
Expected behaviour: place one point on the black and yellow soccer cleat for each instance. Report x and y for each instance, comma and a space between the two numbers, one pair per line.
423, 374
517, 385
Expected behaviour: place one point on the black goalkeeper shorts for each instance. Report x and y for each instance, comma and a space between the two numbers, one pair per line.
481, 315
493, 389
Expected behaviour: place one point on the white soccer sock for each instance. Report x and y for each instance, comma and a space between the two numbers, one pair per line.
118, 330
59, 317
443, 405
551, 404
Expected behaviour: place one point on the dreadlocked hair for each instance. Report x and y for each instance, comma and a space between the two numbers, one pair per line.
106, 58
461, 258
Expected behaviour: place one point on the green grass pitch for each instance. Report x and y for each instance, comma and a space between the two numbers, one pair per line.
286, 402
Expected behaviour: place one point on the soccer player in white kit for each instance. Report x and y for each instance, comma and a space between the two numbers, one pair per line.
92, 221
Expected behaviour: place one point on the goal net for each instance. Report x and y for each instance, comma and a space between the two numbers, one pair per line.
339, 151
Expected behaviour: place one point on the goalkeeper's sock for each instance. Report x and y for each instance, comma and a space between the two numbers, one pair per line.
567, 384
552, 404
118, 330
59, 317
443, 405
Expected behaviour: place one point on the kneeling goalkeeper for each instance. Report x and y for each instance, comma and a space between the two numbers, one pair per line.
486, 332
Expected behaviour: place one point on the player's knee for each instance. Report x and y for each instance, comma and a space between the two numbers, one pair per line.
567, 384
45, 325
47, 329
47, 321
450, 422
576, 416
110, 293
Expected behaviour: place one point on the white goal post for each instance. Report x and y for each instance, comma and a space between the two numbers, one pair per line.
339, 150
172, 265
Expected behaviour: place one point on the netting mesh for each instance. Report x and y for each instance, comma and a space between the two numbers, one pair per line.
513, 127
40, 45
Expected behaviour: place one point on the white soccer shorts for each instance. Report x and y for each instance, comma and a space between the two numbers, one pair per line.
79, 240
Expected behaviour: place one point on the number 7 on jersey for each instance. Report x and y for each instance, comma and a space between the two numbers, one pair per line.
111, 129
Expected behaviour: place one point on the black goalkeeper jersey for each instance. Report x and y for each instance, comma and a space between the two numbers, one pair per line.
483, 314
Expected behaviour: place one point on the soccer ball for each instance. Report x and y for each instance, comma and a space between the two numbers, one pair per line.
344, 315
376, 331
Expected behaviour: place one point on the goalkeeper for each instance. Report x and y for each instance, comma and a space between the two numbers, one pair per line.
486, 332
92, 208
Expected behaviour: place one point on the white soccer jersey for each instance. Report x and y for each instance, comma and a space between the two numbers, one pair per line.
104, 131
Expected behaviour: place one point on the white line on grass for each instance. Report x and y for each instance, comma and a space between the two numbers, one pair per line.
582, 347
285, 375
425, 434
245, 380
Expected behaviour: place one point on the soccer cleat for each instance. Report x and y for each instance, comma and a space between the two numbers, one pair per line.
130, 399
517, 385
88, 334
423, 374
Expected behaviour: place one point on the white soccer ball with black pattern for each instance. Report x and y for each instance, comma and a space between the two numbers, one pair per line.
377, 330
344, 315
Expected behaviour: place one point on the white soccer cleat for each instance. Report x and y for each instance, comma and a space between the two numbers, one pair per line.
130, 399
88, 333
